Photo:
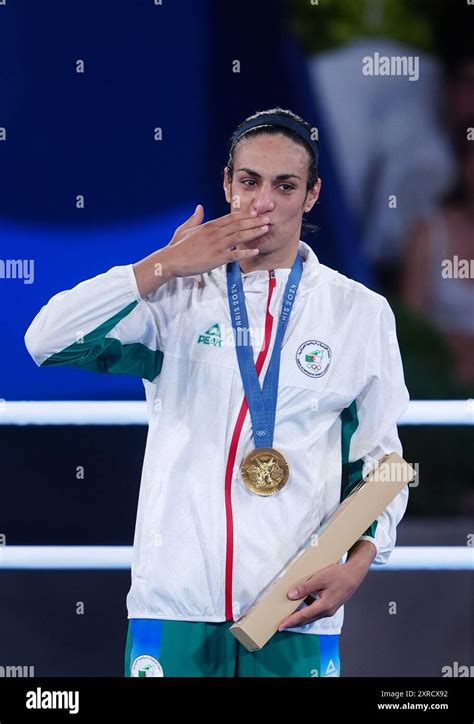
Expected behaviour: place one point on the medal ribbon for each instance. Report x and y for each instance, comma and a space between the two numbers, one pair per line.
261, 403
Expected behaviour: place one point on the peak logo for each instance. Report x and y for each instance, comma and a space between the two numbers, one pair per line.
211, 336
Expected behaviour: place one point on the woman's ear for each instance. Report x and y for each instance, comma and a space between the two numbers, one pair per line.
313, 195
227, 185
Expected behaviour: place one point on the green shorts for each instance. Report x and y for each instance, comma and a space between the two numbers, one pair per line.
158, 647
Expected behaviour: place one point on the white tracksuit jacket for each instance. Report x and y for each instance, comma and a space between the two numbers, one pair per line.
204, 545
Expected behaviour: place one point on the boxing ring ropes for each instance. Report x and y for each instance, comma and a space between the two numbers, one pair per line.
403, 558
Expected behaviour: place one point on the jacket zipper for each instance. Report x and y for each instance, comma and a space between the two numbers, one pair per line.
232, 454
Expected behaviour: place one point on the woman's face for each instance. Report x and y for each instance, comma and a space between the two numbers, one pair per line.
270, 177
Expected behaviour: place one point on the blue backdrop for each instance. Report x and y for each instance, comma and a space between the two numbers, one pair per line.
146, 66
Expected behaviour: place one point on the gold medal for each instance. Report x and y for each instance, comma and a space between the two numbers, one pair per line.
265, 471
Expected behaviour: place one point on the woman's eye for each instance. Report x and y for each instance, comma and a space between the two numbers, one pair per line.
286, 187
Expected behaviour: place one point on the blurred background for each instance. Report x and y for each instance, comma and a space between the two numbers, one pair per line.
83, 88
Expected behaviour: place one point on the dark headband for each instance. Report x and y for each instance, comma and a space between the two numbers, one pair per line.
275, 119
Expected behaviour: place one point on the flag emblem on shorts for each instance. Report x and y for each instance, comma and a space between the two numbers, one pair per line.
146, 666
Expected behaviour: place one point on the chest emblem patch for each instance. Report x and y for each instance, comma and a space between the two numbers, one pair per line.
313, 358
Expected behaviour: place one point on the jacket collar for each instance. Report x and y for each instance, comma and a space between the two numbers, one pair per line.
258, 279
